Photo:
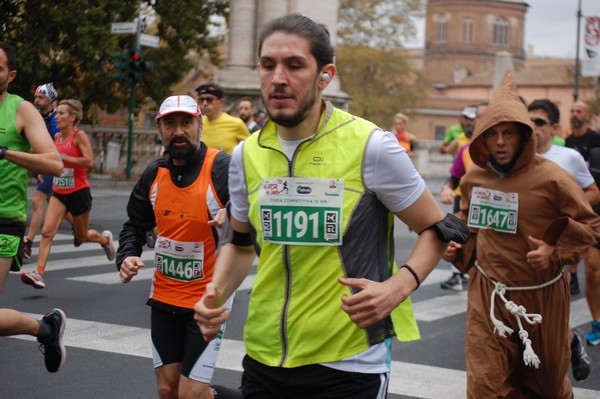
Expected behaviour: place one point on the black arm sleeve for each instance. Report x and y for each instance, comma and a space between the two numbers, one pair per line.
220, 176
141, 217
455, 181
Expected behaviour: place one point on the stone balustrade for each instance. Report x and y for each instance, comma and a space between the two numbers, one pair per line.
109, 144
429, 162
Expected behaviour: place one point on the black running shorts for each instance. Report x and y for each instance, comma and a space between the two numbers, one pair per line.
176, 338
77, 203
312, 381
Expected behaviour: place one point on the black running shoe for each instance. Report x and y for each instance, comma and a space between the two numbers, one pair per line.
27, 248
76, 242
580, 363
53, 346
574, 285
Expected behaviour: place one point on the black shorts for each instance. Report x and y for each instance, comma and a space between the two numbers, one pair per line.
176, 338
77, 203
312, 381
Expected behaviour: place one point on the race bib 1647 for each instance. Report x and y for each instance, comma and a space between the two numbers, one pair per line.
492, 209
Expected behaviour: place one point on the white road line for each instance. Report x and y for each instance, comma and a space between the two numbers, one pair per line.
441, 306
70, 248
580, 313
453, 304
146, 272
408, 379
89, 261
447, 304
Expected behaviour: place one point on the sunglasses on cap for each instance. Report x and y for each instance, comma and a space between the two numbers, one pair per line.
207, 99
539, 122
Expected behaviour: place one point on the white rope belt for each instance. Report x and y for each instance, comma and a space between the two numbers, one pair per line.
519, 312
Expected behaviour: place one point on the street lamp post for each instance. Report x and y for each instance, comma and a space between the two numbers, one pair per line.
576, 83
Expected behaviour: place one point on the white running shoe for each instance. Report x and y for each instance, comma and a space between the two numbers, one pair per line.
109, 248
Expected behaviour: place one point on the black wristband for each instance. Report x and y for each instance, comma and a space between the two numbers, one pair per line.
241, 239
3, 150
414, 274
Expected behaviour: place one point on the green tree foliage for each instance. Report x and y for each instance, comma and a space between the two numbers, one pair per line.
373, 65
380, 82
69, 42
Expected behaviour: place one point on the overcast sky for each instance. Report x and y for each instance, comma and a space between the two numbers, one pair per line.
551, 26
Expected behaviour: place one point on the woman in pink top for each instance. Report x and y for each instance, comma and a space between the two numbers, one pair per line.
70, 191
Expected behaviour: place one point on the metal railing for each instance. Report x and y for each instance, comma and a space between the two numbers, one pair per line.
109, 144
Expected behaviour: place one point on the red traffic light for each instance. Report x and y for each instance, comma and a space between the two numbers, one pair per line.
135, 56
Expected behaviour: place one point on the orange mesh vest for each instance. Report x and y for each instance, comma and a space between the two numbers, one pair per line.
185, 250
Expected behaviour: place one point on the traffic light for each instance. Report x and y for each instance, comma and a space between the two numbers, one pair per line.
121, 63
138, 66
130, 66
135, 59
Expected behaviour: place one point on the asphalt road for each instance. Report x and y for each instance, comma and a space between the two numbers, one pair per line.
108, 338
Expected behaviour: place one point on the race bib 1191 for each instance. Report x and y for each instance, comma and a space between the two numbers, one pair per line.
301, 211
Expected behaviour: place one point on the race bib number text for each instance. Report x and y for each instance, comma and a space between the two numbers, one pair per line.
492, 209
66, 179
301, 211
179, 260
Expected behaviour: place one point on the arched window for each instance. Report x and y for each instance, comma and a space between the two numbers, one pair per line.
468, 30
501, 32
442, 28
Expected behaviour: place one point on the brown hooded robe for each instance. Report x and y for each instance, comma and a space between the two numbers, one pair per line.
551, 207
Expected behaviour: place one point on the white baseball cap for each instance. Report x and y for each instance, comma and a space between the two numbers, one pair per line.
184, 104
469, 112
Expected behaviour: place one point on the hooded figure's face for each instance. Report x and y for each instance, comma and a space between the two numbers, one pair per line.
503, 141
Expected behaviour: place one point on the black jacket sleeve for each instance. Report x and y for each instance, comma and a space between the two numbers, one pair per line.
141, 217
220, 176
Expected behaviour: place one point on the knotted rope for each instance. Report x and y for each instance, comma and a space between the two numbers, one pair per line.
519, 312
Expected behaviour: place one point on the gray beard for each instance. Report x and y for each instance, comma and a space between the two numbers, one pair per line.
576, 123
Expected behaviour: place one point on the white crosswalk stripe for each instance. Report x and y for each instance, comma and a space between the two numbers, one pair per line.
448, 304
409, 379
415, 380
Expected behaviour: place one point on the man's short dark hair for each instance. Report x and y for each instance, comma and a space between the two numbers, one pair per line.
11, 55
297, 24
246, 99
548, 107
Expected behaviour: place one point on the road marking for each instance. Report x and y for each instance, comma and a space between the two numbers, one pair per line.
447, 304
407, 379
88, 261
441, 306
70, 248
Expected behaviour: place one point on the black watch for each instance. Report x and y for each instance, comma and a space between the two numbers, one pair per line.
3, 150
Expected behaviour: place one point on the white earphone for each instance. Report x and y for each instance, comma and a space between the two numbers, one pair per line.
325, 77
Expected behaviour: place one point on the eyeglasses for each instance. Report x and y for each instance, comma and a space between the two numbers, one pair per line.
539, 122
207, 99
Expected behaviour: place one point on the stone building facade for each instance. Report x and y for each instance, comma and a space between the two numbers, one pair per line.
239, 77
462, 37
